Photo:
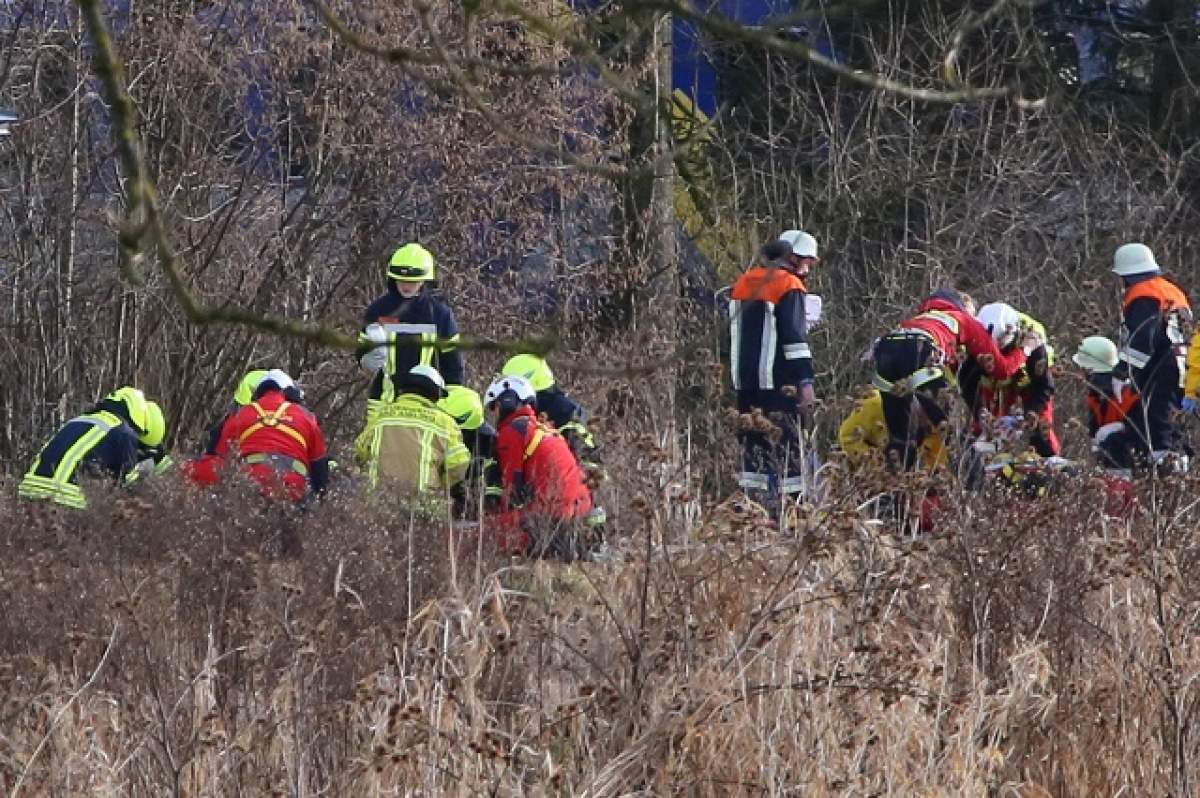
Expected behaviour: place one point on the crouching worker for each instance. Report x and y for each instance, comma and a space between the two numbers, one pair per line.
546, 500
411, 446
1109, 402
915, 363
864, 433
278, 441
105, 442
863, 437
483, 474
1029, 393
552, 402
241, 397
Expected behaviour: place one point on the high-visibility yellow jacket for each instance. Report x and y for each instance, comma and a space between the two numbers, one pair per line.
413, 445
1191, 380
865, 430
100, 442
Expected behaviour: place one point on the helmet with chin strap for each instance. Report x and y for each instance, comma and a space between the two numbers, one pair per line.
508, 394
1002, 321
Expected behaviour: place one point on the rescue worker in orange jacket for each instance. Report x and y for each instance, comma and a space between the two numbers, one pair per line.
1153, 352
546, 500
771, 364
278, 441
915, 363
1109, 402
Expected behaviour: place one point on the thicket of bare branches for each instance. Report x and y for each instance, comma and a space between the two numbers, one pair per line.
1040, 651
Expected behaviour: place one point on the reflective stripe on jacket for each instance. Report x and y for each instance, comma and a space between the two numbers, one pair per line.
413, 326
54, 473
414, 445
1155, 313
768, 331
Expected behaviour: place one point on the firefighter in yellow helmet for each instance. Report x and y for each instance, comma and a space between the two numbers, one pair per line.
103, 442
152, 454
465, 406
567, 415
411, 325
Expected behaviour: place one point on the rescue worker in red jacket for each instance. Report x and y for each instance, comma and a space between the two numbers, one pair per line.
771, 365
1153, 352
278, 440
546, 500
1029, 393
915, 363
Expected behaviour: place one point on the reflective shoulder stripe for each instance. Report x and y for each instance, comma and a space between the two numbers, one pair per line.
942, 317
534, 442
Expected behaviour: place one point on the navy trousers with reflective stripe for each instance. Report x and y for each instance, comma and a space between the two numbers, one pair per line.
1152, 420
770, 459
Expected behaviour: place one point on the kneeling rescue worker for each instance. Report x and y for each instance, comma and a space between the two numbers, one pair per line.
411, 445
546, 499
1028, 393
864, 432
465, 406
278, 441
1109, 403
915, 363
103, 442
567, 415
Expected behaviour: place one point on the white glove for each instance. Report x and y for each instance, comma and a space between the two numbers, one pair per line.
375, 359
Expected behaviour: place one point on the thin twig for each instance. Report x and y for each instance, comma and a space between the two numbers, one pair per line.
112, 640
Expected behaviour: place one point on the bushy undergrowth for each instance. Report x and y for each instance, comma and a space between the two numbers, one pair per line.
178, 643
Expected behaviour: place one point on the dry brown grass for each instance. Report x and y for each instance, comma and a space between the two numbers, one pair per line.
161, 648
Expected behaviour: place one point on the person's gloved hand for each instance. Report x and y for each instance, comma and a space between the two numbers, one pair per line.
1190, 405
375, 340
1031, 341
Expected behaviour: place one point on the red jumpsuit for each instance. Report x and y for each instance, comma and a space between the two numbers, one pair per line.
541, 478
277, 440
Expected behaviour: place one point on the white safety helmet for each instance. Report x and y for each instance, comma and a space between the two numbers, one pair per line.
429, 373
1096, 353
284, 381
518, 385
1002, 321
1134, 259
280, 378
803, 245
